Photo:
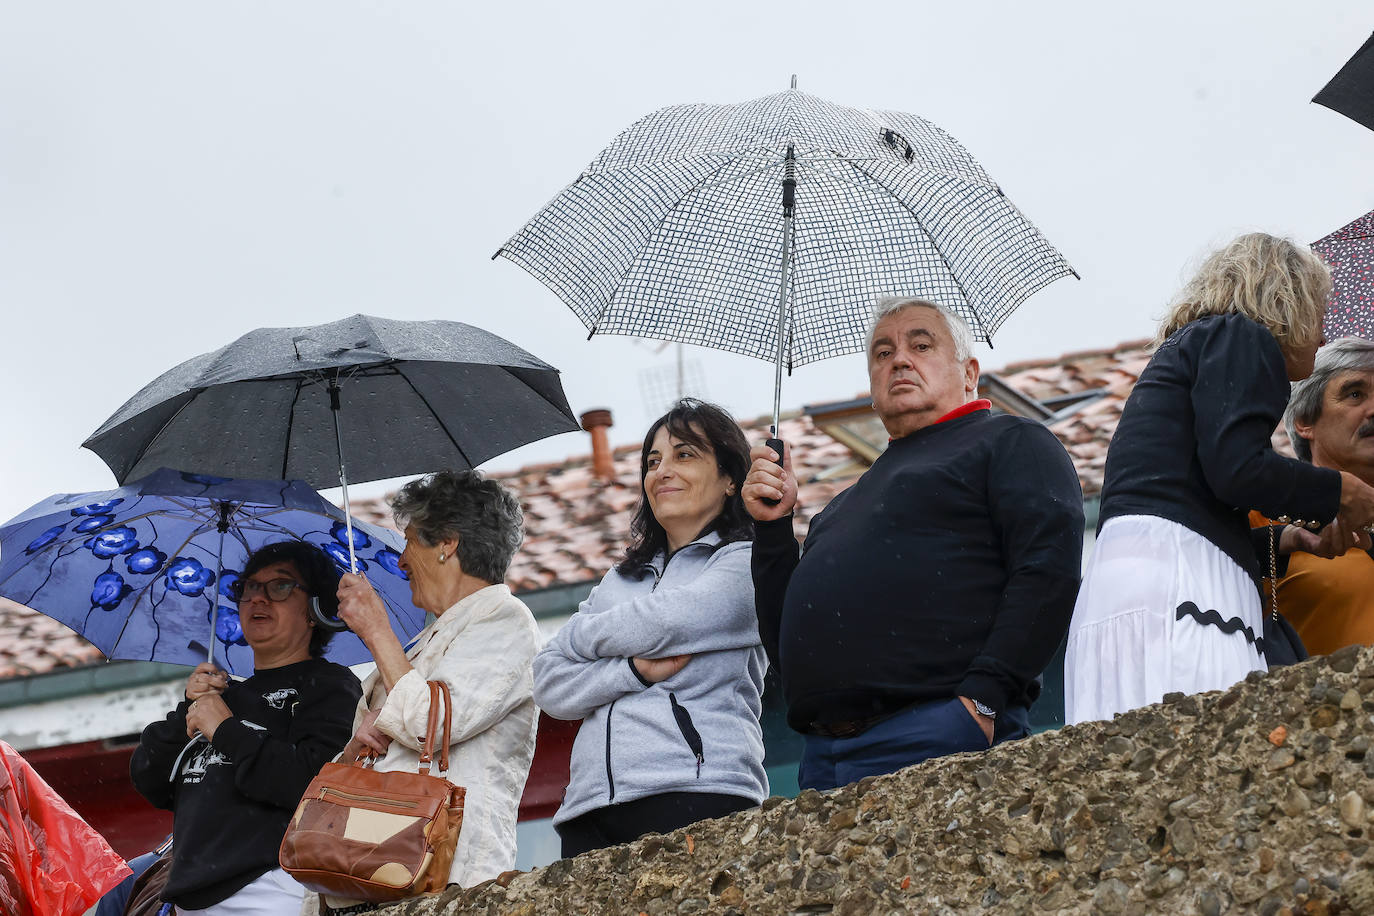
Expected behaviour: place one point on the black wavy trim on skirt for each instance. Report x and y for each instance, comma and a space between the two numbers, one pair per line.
1214, 619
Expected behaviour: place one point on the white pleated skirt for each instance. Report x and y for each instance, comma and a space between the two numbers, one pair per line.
1161, 609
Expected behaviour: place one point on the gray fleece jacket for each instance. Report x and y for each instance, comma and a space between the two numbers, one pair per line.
697, 731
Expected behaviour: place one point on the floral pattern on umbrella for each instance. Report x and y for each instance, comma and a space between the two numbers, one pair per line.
144, 572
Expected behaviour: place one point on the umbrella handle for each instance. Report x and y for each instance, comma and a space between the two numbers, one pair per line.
323, 620
777, 446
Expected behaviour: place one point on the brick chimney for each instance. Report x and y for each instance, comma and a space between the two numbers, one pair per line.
597, 422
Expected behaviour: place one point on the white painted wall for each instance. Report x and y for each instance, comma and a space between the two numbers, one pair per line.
72, 720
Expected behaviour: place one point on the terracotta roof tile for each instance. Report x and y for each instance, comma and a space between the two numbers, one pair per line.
31, 643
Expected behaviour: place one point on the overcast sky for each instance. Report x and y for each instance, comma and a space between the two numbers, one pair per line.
174, 174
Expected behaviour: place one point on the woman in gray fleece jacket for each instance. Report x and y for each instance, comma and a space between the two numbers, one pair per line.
663, 662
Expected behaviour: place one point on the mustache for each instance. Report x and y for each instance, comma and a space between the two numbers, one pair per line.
1366, 429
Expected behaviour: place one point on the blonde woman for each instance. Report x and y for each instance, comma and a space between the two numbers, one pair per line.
1170, 601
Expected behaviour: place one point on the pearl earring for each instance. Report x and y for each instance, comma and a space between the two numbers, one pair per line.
442, 556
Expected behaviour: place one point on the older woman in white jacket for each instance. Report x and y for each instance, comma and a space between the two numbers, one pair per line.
461, 532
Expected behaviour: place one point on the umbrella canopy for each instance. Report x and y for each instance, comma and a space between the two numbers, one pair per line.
1350, 253
415, 395
1351, 90
679, 229
144, 571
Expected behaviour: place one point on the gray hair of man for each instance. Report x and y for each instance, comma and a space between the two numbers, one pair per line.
1348, 354
483, 516
958, 327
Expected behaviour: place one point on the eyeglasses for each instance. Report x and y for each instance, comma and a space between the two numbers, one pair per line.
274, 589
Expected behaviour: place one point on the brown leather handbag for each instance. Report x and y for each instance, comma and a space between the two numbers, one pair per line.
375, 836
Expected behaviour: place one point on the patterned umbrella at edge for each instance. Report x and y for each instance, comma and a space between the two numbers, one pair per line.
144, 571
1349, 251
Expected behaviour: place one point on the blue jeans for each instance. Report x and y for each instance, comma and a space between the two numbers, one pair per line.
114, 901
919, 732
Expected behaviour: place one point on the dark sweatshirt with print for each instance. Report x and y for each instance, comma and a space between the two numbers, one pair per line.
232, 798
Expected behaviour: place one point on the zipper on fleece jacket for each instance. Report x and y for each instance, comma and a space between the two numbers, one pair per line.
660, 573
610, 780
689, 731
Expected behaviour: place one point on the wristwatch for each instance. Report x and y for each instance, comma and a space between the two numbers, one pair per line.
984, 710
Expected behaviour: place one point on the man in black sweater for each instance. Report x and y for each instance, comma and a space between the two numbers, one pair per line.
930, 595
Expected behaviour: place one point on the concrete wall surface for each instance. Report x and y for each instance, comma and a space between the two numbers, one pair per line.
1258, 799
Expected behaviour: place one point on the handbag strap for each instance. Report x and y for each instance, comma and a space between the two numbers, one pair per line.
434, 739
448, 726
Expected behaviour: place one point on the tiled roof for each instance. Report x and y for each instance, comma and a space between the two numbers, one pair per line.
32, 643
576, 524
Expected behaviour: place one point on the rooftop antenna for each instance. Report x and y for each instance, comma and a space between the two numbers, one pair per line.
663, 386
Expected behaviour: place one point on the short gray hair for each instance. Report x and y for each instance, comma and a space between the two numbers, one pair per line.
483, 516
891, 305
1348, 354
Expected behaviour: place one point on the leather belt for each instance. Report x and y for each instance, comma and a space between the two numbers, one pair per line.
849, 728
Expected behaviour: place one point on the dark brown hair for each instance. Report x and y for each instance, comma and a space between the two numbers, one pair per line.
319, 574
708, 428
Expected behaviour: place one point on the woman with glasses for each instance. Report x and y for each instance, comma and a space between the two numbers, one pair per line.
233, 758
461, 532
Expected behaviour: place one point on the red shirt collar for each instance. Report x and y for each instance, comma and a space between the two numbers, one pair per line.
961, 410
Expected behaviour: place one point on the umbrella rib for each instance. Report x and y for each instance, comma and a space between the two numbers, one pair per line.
290, 423
541, 394
150, 440
434, 413
261, 524
705, 186
236, 531
762, 152
874, 182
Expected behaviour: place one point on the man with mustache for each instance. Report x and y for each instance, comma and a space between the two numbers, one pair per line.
1330, 421
930, 595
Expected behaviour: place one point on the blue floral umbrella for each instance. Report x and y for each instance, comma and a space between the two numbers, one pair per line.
144, 572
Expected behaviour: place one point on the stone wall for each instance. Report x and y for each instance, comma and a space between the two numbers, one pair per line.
1254, 800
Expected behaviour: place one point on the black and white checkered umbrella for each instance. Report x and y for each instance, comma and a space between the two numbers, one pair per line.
770, 228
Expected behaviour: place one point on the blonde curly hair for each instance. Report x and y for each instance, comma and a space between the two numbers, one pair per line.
1271, 280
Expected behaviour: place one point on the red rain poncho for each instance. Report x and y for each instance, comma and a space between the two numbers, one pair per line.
52, 863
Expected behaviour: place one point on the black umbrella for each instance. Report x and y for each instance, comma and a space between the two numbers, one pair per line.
412, 396
1351, 91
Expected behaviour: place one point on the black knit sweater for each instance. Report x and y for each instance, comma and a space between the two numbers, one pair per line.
949, 569
1193, 443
